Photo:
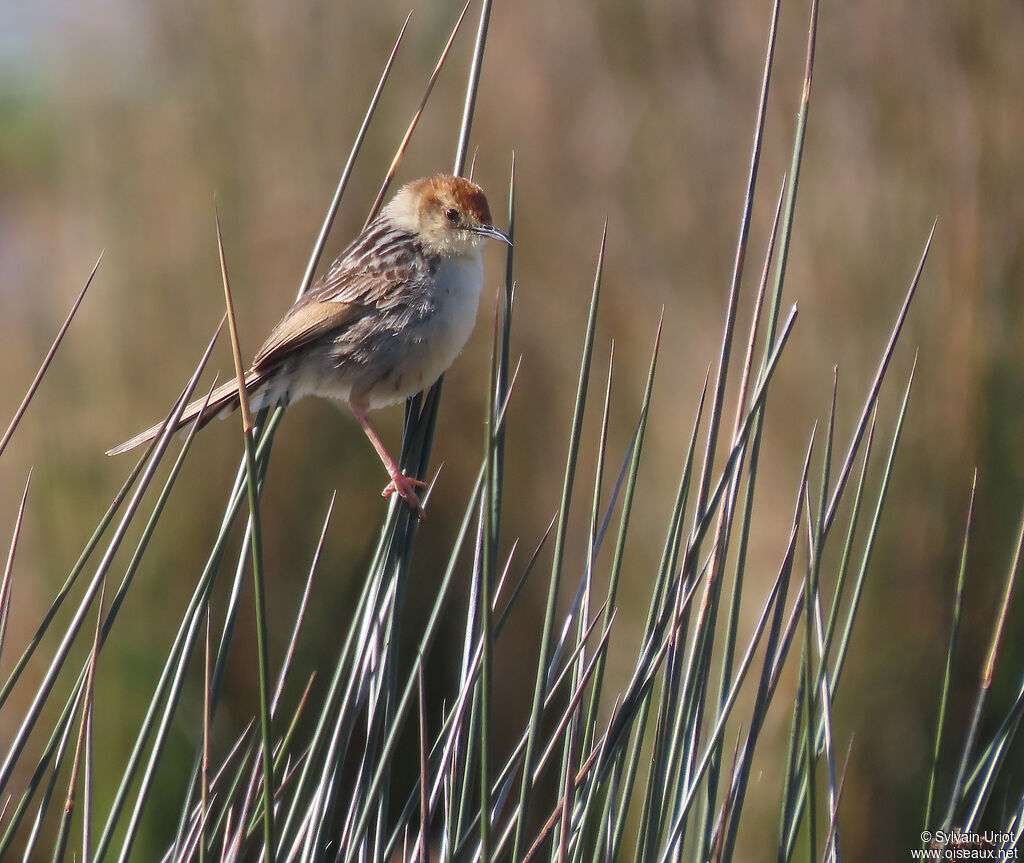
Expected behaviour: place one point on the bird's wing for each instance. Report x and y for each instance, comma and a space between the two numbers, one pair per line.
366, 277
306, 321
367, 272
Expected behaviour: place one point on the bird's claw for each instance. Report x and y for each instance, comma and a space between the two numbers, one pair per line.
405, 486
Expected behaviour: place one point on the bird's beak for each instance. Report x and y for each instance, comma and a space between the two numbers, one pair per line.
492, 232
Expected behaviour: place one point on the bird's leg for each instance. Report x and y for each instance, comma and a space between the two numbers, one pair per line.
404, 485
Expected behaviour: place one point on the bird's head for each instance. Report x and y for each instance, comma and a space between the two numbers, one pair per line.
450, 214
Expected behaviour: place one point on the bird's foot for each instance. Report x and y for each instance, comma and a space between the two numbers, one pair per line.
406, 487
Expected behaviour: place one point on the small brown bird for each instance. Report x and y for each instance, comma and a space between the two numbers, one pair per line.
384, 322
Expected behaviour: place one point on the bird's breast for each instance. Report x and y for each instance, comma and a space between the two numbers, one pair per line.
456, 296
438, 328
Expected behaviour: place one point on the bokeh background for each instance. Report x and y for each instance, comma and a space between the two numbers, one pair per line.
120, 121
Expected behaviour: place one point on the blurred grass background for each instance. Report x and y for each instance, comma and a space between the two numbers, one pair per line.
119, 122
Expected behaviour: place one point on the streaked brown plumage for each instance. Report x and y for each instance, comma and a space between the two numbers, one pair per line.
384, 322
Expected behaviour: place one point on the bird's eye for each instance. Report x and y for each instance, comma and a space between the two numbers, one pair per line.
452, 215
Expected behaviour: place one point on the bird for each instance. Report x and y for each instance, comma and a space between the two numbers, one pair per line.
384, 322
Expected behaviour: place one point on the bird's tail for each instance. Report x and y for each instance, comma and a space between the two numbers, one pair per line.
222, 401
